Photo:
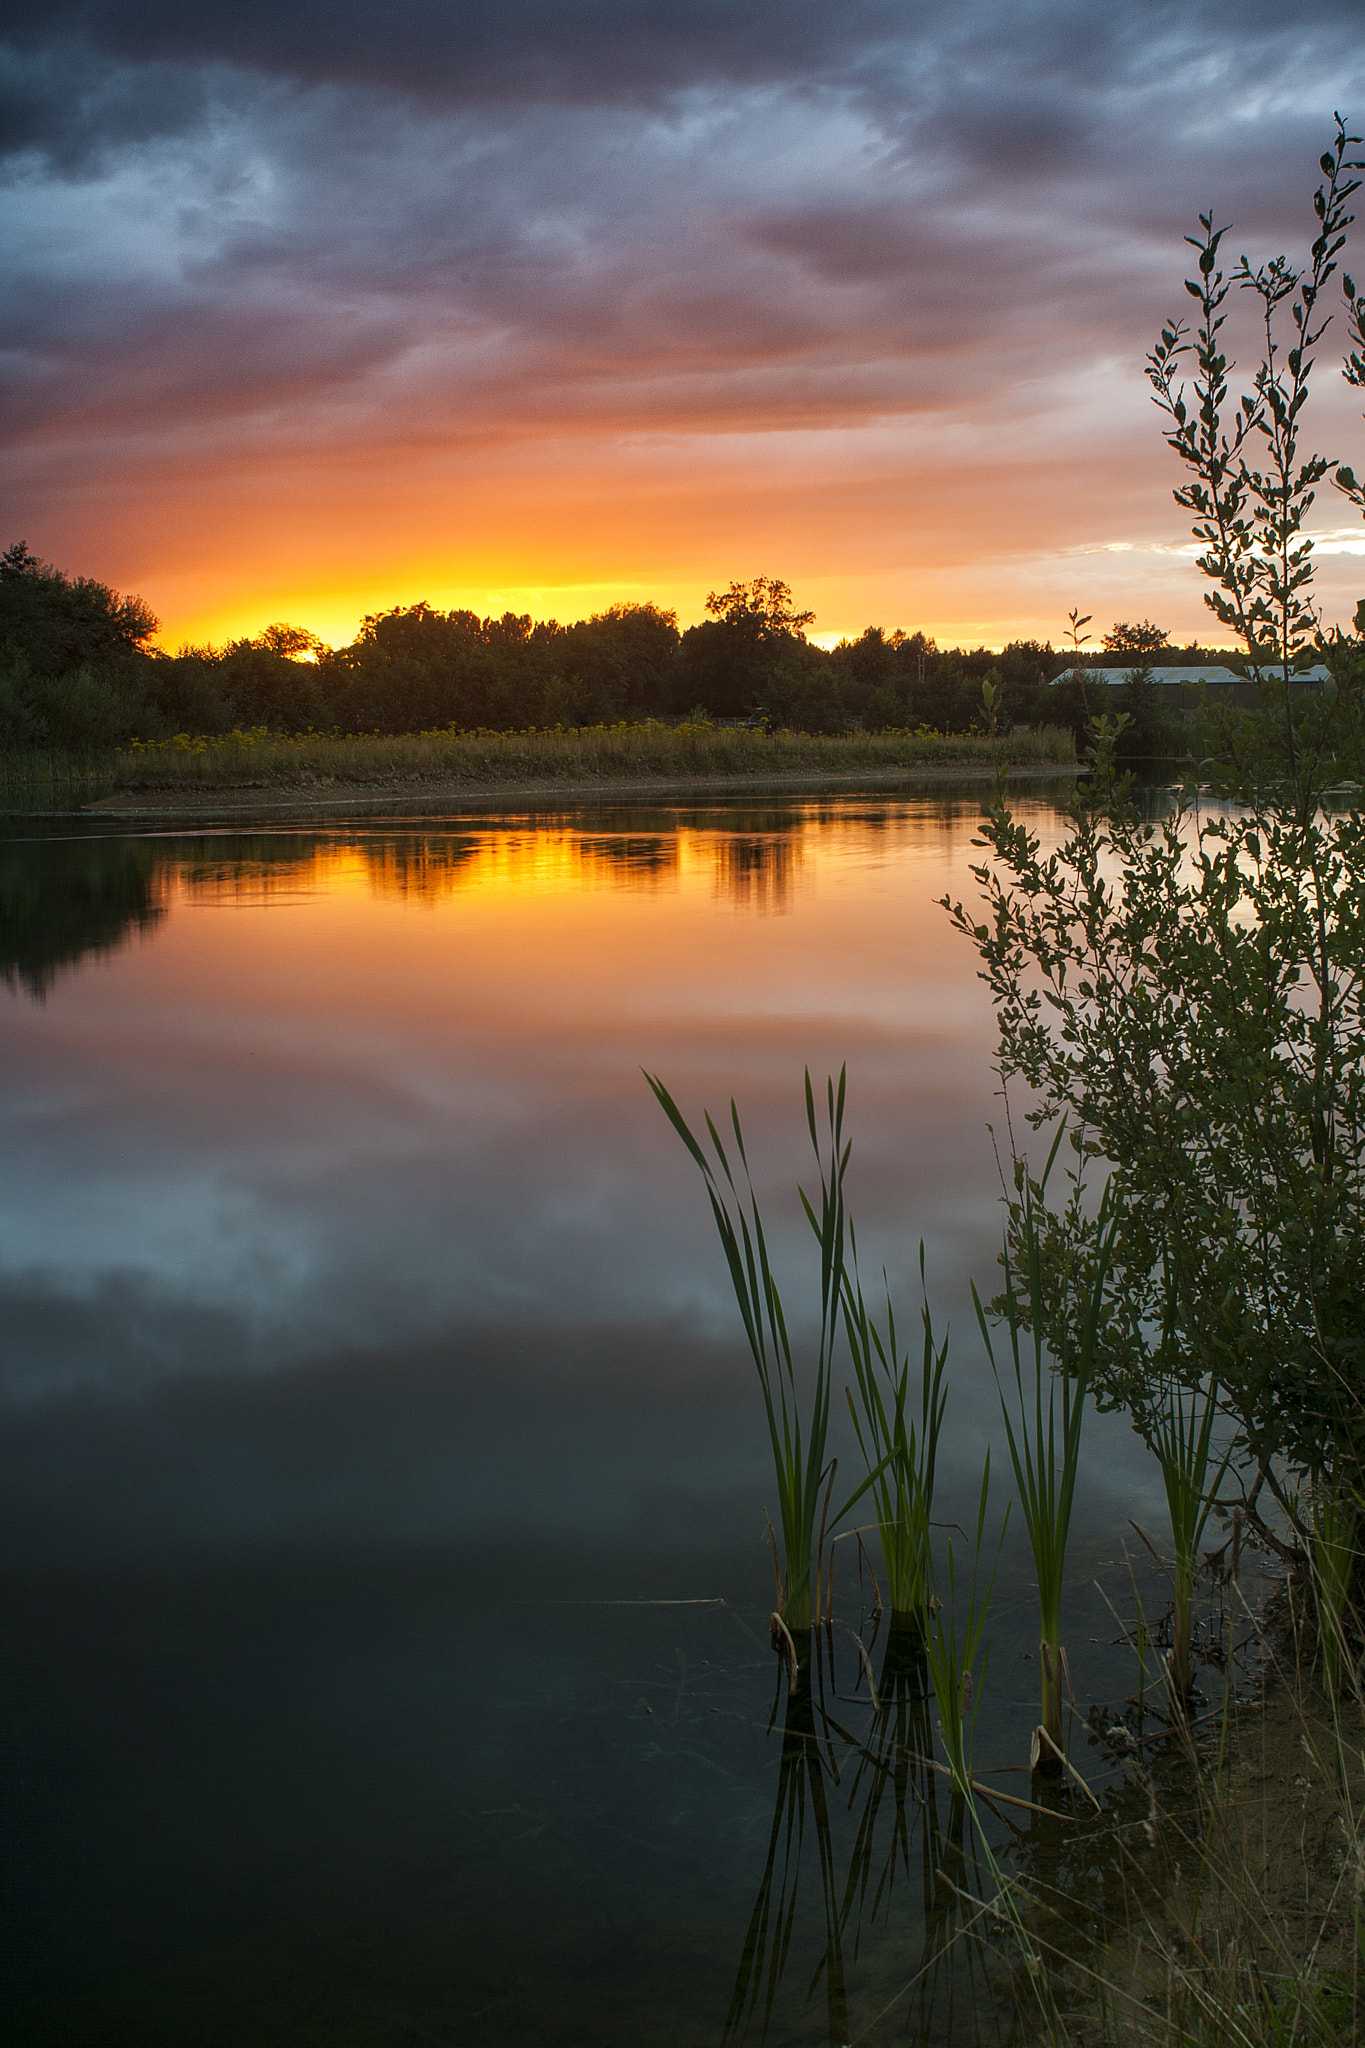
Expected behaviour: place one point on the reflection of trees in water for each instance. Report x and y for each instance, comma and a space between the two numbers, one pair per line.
426, 867
756, 874
251, 867
266, 867
63, 899
418, 867
632, 860
909, 1866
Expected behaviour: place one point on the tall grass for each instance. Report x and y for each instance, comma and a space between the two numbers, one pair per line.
897, 1442
956, 1647
1334, 1526
1244, 1888
262, 759
956, 1651
1044, 1437
1213, 1948
54, 768
1182, 1438
798, 1421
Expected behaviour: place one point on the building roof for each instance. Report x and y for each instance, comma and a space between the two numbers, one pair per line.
1187, 672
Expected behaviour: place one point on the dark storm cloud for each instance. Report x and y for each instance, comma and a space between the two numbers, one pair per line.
69, 105
563, 51
593, 50
1006, 87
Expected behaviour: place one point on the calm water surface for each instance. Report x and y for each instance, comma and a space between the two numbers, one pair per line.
385, 1590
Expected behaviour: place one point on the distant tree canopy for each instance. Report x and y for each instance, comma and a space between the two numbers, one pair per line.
76, 670
59, 624
1144, 638
761, 608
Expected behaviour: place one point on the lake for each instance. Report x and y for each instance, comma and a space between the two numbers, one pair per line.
385, 1584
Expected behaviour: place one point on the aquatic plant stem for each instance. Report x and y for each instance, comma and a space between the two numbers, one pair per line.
904, 1449
956, 1648
1044, 1437
1332, 1553
1182, 1438
798, 1430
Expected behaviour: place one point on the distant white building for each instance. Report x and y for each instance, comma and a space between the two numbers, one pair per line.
1185, 676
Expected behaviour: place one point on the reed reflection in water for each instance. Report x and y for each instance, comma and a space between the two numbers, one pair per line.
900, 1888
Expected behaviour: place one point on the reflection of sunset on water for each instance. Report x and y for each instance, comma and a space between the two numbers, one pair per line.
63, 900
754, 861
484, 991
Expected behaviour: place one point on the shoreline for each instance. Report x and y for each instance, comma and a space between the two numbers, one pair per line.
318, 794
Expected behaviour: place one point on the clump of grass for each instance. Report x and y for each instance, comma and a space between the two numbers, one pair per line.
1252, 1934
1182, 1438
897, 1443
798, 1422
1333, 1531
1044, 1437
956, 1647
256, 757
44, 768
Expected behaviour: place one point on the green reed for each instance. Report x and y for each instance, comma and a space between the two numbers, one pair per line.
1044, 1435
900, 1445
956, 1647
1182, 1438
798, 1429
956, 1651
1332, 1551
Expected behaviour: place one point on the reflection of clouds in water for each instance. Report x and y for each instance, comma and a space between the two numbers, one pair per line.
477, 1434
351, 1218
341, 1125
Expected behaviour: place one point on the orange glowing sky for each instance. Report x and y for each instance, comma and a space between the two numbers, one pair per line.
557, 302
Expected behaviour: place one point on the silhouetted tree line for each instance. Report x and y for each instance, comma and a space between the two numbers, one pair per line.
76, 671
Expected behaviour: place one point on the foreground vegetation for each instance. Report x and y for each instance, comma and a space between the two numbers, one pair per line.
1183, 1000
1212, 1890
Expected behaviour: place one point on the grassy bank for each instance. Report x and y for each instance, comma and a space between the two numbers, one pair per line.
1233, 1869
266, 760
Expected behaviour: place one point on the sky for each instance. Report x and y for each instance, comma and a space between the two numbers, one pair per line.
312, 308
